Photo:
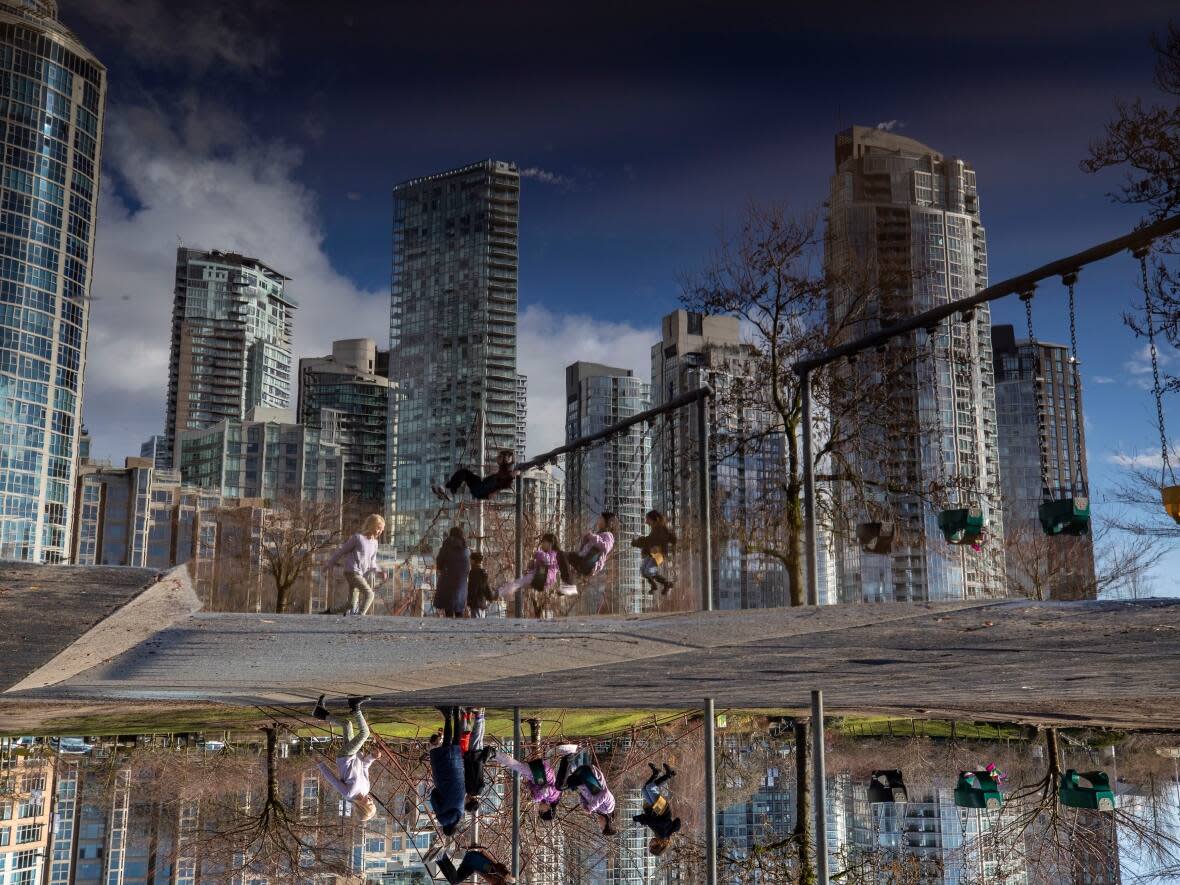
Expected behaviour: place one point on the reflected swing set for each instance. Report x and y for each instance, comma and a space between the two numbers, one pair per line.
1062, 511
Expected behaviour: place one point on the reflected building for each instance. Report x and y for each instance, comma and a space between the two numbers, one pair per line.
911, 215
346, 395
55, 93
452, 337
231, 341
25, 815
1042, 441
613, 475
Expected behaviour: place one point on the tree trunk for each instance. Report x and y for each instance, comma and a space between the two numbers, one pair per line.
803, 805
272, 768
794, 560
282, 596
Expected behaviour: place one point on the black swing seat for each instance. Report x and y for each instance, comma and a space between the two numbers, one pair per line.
963, 525
1066, 516
887, 785
875, 537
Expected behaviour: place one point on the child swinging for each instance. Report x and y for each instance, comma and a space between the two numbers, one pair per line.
538, 776
655, 546
657, 810
594, 548
545, 573
481, 488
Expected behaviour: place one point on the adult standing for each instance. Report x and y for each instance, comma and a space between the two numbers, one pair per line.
454, 566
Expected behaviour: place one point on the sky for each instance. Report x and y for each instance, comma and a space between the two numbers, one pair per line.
643, 131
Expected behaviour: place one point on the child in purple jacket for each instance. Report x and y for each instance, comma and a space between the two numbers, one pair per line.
538, 775
353, 769
545, 573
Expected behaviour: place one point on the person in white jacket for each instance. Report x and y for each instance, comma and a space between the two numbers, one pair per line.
358, 557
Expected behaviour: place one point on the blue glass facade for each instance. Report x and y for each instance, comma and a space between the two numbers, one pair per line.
51, 110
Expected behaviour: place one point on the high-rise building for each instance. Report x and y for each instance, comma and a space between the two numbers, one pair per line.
1042, 442
544, 500
695, 350
267, 456
522, 415
155, 450
346, 395
612, 476
911, 215
452, 335
55, 92
231, 341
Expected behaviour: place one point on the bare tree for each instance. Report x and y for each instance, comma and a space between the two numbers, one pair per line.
771, 276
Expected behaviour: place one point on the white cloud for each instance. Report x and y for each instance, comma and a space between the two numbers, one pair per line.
547, 342
1149, 459
1102, 379
179, 186
536, 173
890, 125
1139, 364
198, 36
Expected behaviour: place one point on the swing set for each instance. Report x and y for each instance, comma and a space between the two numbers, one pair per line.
1064, 511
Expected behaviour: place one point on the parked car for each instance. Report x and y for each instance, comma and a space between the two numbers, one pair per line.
27, 742
73, 746
213, 746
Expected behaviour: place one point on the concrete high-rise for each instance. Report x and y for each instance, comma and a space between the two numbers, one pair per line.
1042, 442
695, 350
347, 395
910, 216
231, 341
612, 476
452, 333
55, 93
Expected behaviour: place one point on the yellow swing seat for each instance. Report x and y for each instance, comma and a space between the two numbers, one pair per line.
1171, 498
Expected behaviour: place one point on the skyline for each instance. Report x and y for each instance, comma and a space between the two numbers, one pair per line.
624, 190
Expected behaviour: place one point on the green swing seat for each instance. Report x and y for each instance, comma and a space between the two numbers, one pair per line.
1066, 516
1098, 795
962, 525
978, 789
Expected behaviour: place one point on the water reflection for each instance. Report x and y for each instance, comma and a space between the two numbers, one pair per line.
271, 801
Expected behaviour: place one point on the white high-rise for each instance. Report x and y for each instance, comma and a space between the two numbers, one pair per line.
910, 216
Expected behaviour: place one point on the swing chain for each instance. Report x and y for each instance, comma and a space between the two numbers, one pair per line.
1149, 308
1027, 298
1070, 279
932, 335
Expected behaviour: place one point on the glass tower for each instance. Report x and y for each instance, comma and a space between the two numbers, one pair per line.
231, 341
612, 476
912, 216
452, 333
53, 96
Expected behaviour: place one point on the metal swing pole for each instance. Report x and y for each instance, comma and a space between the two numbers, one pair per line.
516, 741
518, 597
809, 535
819, 787
710, 793
706, 508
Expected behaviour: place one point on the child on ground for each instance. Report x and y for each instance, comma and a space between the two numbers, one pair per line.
596, 798
475, 860
475, 757
446, 766
657, 811
595, 547
358, 556
540, 779
480, 594
481, 489
655, 546
545, 573
353, 769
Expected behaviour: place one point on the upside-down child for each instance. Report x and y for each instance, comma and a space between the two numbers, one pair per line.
353, 769
475, 860
481, 487
475, 757
655, 546
539, 777
446, 766
545, 573
358, 556
594, 795
657, 810
594, 548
